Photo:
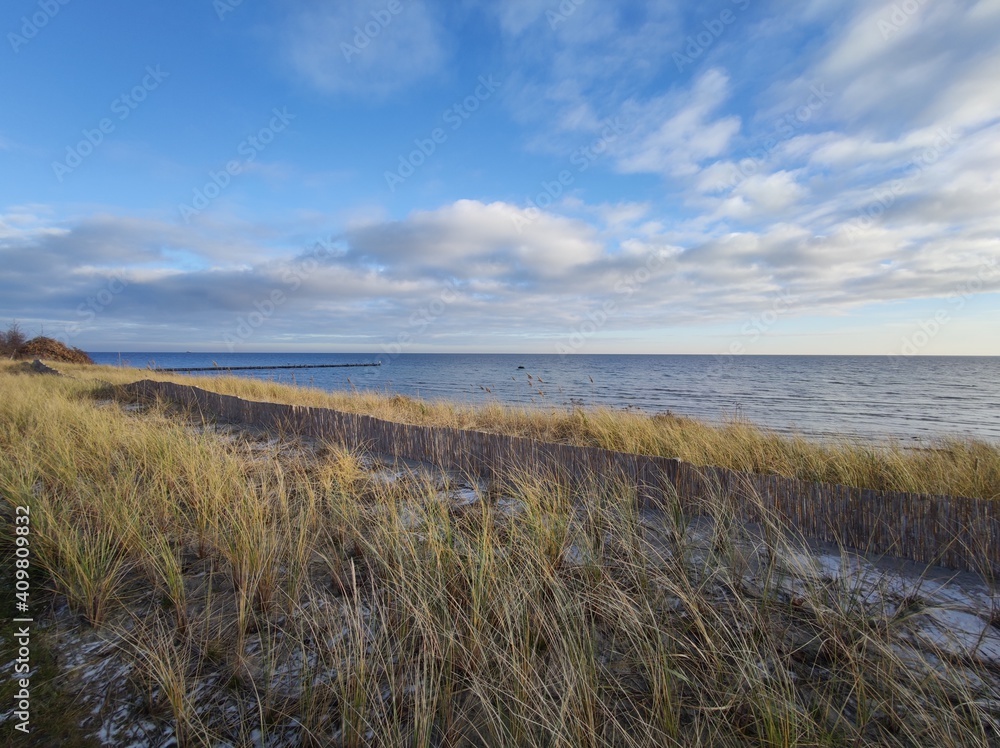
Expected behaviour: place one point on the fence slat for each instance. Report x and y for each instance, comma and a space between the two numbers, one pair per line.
960, 533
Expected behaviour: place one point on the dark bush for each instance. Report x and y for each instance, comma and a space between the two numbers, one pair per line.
11, 339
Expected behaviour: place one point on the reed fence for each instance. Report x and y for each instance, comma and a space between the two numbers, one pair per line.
955, 532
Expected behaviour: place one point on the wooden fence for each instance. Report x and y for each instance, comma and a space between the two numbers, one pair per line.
958, 533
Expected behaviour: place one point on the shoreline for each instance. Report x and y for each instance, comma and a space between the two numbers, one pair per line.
874, 399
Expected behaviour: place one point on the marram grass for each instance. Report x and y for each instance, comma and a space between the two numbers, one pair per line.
948, 467
275, 592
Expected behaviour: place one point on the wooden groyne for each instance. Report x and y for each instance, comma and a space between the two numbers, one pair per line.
263, 368
959, 533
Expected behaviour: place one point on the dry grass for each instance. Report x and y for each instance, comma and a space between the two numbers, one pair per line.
271, 593
951, 467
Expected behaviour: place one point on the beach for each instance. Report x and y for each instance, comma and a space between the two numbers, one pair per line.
204, 582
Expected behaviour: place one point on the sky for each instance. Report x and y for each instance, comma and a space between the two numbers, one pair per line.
550, 176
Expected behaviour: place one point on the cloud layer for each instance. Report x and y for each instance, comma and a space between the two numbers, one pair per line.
837, 156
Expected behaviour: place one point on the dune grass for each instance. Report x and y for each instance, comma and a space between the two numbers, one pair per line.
277, 593
948, 467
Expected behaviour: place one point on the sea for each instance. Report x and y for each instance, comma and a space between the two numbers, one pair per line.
914, 400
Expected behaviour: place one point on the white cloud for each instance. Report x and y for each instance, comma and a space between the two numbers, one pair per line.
673, 134
470, 237
572, 66
507, 271
916, 64
886, 191
623, 214
770, 194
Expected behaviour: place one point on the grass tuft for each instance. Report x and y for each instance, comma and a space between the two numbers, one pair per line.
277, 591
949, 466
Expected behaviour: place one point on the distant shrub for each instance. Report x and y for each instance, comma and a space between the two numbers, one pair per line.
11, 339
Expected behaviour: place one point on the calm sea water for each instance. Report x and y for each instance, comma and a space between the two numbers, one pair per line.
910, 399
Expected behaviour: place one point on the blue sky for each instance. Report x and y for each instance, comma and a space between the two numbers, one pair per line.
736, 176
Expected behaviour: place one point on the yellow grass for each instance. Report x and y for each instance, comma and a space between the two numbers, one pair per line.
955, 467
280, 592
